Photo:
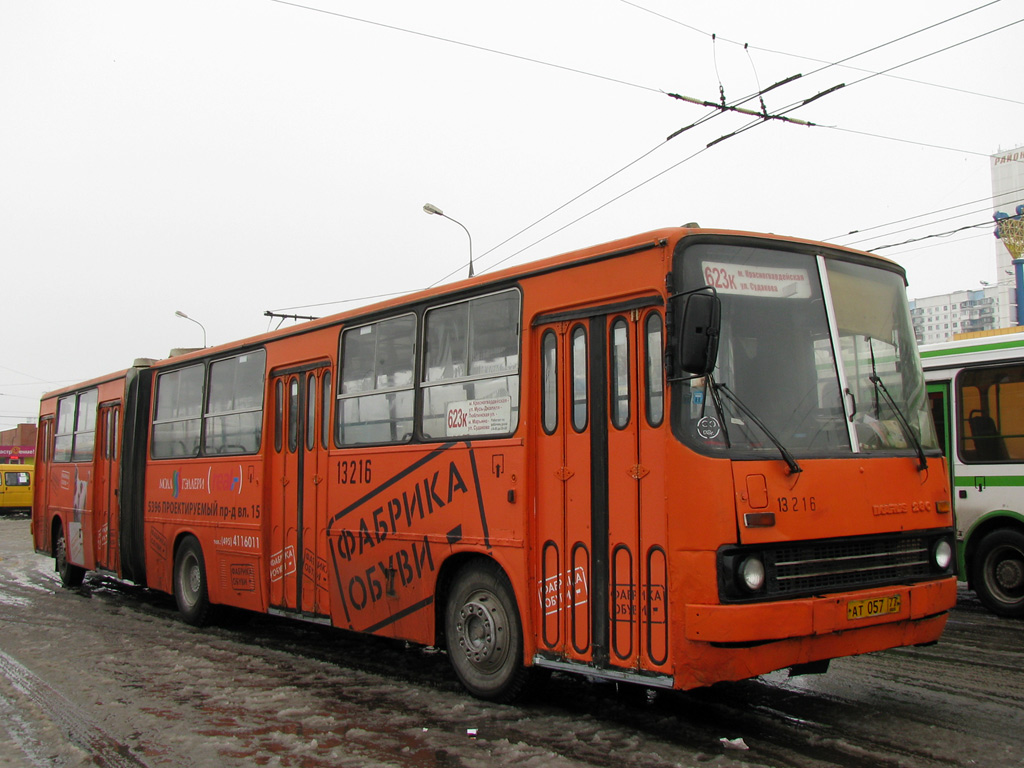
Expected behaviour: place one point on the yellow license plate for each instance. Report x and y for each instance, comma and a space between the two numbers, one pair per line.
876, 606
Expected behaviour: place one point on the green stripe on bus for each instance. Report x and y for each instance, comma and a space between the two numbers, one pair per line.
989, 480
1016, 343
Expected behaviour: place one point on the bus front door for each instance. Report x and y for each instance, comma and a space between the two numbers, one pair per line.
601, 519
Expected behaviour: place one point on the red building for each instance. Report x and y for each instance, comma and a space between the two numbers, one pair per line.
18, 445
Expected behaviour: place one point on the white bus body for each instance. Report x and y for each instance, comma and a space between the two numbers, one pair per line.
976, 389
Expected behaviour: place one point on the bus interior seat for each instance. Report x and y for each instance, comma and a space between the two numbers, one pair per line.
989, 444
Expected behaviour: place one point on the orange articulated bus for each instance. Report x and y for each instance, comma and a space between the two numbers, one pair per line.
687, 456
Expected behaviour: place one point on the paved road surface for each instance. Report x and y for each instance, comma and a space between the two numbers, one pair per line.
109, 676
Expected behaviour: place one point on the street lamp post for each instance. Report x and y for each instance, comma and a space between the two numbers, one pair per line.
433, 210
179, 313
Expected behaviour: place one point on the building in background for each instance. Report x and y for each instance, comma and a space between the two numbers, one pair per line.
18, 445
994, 307
938, 318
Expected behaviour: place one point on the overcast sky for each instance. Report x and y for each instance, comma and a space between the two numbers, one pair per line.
228, 157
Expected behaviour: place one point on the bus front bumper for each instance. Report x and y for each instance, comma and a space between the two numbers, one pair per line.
807, 617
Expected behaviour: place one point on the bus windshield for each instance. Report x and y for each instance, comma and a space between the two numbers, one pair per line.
787, 318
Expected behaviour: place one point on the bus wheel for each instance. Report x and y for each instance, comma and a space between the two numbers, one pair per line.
190, 583
70, 575
999, 572
484, 636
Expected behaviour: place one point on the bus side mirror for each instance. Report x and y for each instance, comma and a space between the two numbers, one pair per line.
698, 333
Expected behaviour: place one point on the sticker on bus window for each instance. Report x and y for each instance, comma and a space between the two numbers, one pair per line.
749, 280
480, 417
709, 428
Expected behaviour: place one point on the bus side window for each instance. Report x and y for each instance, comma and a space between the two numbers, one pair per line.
234, 412
471, 366
178, 415
85, 426
65, 433
375, 397
991, 413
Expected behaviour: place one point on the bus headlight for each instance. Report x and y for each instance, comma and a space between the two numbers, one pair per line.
751, 573
942, 554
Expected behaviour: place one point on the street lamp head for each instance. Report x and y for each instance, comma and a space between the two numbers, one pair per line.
179, 313
433, 210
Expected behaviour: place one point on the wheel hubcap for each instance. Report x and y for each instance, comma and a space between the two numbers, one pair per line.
481, 631
1007, 574
192, 581
1010, 574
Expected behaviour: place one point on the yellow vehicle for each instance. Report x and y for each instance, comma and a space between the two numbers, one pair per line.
16, 487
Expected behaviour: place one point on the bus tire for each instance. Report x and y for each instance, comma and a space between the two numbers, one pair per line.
484, 634
998, 572
190, 591
70, 575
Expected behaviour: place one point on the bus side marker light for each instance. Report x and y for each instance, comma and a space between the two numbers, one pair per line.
943, 506
759, 519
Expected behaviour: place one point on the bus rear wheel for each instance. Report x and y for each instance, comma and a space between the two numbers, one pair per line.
484, 634
190, 591
998, 574
70, 575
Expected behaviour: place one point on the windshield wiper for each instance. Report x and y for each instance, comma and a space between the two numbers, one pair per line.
901, 419
735, 400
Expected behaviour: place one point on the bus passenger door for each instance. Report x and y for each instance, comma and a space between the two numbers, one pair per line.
600, 511
564, 493
637, 527
106, 491
298, 492
285, 497
316, 431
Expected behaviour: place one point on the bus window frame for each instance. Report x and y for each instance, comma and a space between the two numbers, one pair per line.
963, 416
425, 384
387, 392
206, 414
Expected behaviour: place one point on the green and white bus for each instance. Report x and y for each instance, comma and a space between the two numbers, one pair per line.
976, 389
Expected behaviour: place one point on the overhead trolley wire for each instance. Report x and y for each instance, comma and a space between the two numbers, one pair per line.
929, 213
719, 108
472, 46
843, 62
